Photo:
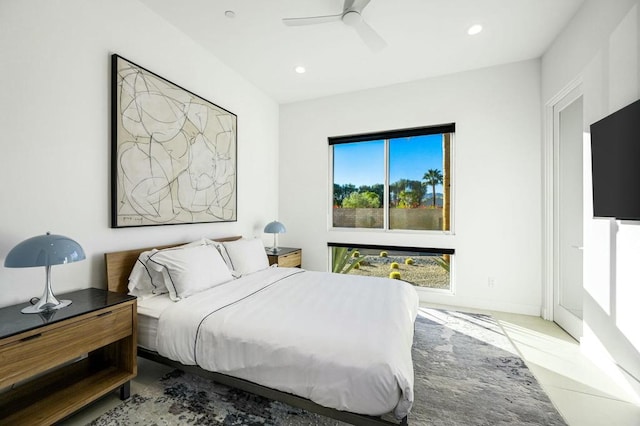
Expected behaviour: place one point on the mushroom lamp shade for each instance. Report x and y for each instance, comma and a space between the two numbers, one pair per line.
45, 250
274, 228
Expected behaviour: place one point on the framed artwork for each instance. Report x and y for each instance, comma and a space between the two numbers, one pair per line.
173, 152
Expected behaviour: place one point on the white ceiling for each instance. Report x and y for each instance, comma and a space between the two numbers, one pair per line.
425, 38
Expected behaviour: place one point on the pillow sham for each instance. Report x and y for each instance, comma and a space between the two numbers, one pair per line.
190, 269
145, 282
247, 255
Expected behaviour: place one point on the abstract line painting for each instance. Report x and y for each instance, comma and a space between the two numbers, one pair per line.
173, 152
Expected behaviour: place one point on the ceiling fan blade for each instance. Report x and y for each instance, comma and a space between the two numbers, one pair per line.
348, 4
311, 20
370, 37
355, 5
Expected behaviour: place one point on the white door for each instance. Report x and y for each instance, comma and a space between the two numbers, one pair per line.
568, 197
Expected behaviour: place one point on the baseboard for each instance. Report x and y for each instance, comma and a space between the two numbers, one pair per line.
448, 299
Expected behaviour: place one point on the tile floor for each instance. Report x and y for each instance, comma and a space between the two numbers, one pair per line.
583, 394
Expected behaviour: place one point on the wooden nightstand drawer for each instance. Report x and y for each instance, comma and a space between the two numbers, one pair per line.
290, 260
37, 351
286, 257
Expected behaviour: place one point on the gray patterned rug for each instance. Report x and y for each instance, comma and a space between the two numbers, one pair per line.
466, 373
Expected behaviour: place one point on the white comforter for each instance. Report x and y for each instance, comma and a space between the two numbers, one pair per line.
343, 341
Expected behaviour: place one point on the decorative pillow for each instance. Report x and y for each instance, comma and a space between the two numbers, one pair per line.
247, 255
145, 282
190, 269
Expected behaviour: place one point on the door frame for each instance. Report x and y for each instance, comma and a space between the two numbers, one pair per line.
567, 95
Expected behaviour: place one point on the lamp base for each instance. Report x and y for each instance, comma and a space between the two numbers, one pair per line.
39, 308
48, 301
274, 250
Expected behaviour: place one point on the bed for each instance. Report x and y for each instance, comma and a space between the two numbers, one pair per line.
338, 345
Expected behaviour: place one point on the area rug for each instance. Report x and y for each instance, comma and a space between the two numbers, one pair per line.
467, 372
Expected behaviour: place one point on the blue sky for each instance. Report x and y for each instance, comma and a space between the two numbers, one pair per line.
410, 159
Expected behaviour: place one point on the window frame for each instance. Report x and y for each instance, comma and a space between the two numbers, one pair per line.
448, 128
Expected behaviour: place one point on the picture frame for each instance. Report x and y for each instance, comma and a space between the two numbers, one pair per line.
173, 153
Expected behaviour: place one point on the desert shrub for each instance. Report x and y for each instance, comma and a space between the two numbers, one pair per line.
384, 254
443, 262
394, 265
408, 261
366, 199
395, 275
341, 263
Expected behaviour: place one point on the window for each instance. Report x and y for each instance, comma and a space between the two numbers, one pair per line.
422, 267
399, 179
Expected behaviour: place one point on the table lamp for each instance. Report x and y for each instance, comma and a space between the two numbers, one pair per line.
44, 250
275, 228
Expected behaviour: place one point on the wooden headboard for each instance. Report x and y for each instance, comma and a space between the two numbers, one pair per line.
120, 263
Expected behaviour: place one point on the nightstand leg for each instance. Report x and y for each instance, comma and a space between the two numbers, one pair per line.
125, 391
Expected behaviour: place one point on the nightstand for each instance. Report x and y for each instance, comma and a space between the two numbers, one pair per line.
286, 257
56, 362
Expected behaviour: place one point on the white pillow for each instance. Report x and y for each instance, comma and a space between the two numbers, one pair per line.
146, 282
190, 269
247, 255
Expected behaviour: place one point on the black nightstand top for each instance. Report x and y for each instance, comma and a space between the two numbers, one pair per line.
281, 251
12, 321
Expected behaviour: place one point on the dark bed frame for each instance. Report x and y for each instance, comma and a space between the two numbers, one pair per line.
119, 265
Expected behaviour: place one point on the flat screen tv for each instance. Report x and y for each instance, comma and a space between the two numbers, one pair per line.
615, 164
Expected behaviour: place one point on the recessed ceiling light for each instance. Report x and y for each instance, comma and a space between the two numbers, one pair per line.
230, 14
300, 69
474, 29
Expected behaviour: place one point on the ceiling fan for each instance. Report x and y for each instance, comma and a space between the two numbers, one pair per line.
352, 16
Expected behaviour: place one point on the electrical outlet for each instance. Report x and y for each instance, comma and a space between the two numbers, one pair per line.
491, 282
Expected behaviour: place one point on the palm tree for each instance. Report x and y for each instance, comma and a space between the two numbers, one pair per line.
433, 177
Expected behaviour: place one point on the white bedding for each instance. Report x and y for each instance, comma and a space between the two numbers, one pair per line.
343, 341
149, 310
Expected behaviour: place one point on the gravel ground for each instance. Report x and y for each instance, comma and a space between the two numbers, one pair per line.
424, 272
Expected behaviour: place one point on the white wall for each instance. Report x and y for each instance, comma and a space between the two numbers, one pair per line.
496, 176
601, 45
55, 162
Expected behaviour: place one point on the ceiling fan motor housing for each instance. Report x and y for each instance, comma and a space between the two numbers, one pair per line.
352, 18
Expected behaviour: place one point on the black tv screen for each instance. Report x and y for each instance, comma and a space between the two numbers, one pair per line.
615, 164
